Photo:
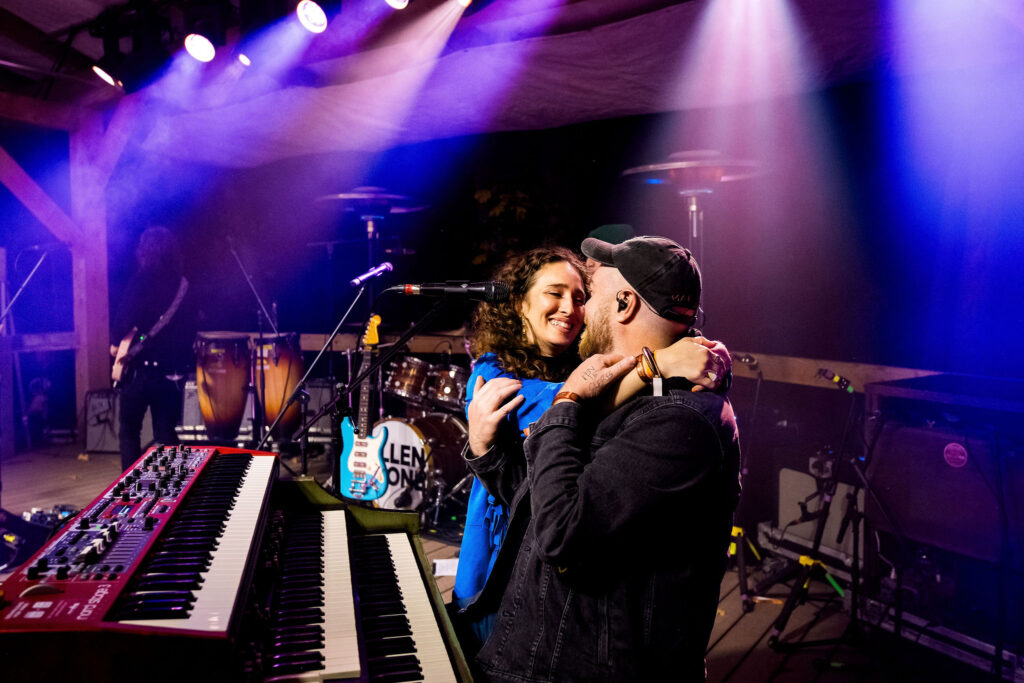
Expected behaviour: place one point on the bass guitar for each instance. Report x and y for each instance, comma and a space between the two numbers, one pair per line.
363, 475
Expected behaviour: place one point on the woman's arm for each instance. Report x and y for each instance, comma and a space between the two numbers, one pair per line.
702, 361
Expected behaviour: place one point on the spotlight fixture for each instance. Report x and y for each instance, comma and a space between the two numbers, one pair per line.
110, 65
244, 59
106, 74
147, 31
464, 3
311, 16
200, 47
205, 26
398, 4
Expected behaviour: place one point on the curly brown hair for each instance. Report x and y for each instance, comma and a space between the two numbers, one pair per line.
498, 327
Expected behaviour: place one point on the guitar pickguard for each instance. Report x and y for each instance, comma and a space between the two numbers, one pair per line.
364, 476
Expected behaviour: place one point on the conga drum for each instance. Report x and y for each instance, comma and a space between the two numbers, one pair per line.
222, 381
277, 370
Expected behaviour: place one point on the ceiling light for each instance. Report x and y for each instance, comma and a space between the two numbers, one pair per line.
200, 47
398, 4
311, 16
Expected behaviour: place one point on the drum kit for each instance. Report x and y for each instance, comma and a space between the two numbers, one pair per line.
241, 375
423, 453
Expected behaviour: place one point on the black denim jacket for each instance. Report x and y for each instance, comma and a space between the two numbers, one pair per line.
617, 545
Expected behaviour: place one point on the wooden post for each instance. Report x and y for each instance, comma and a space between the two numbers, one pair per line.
89, 262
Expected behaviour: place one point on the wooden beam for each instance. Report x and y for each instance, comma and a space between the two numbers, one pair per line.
38, 112
34, 343
117, 134
29, 36
35, 199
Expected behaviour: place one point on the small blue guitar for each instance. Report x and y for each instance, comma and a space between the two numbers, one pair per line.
363, 475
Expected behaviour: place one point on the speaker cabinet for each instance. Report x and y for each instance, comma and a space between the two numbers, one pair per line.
941, 486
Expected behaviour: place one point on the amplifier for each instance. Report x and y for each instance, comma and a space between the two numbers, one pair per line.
101, 422
941, 486
192, 428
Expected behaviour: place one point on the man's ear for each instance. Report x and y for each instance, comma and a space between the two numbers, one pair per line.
627, 305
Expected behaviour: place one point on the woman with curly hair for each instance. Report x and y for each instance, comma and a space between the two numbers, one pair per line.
532, 339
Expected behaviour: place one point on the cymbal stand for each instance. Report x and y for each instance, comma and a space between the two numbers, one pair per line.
259, 396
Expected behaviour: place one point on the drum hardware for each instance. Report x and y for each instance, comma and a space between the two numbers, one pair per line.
258, 382
373, 204
695, 173
440, 498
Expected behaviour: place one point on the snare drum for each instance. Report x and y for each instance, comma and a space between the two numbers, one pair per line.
408, 379
222, 381
448, 386
418, 453
280, 359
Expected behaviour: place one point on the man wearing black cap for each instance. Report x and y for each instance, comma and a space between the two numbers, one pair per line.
618, 573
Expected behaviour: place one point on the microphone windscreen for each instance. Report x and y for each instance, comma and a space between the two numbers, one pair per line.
500, 292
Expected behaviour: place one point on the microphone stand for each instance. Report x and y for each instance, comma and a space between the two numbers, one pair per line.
300, 389
17, 364
259, 396
374, 366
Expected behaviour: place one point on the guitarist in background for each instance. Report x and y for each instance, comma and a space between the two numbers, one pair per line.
151, 340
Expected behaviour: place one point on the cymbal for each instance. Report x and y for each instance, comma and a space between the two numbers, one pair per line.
696, 171
375, 199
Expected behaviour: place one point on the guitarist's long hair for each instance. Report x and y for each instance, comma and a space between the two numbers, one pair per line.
158, 250
498, 327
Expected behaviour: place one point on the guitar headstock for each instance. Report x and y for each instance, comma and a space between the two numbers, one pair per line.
370, 338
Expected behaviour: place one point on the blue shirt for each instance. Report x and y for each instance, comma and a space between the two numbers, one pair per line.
487, 520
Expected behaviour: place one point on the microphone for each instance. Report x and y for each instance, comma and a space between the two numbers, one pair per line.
385, 267
481, 291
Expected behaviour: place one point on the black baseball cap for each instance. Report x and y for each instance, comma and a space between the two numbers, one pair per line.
664, 274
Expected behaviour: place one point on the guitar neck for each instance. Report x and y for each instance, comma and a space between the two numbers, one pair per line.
365, 389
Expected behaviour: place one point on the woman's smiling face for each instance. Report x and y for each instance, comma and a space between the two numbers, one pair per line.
553, 308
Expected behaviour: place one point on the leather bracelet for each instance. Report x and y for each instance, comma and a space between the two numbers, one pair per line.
647, 366
641, 369
650, 360
568, 396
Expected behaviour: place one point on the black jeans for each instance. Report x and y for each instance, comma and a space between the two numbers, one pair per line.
147, 389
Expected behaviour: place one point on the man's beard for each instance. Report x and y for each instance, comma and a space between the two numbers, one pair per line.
596, 337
